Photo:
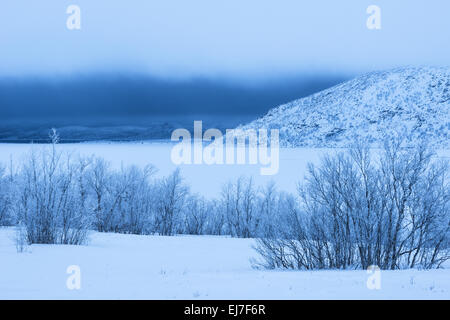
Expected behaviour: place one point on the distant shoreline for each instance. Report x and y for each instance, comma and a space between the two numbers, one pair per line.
81, 141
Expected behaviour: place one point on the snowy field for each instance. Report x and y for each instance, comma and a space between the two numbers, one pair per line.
115, 266
204, 179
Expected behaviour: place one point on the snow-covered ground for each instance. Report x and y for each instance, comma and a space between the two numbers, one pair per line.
204, 179
115, 266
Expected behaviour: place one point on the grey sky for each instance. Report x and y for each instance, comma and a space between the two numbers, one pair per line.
236, 38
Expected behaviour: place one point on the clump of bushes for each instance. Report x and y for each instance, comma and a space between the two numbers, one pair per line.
354, 212
356, 209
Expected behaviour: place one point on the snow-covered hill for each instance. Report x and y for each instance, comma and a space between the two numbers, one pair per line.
414, 101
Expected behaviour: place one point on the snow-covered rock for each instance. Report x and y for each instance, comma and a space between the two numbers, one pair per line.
413, 101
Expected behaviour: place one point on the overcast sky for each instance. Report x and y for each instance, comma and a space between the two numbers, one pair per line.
232, 38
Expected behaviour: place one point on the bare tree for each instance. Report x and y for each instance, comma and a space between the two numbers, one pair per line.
6, 197
239, 201
354, 213
47, 203
172, 195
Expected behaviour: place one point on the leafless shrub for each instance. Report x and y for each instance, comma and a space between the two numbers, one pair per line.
354, 213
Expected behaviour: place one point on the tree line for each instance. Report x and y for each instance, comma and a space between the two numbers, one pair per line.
356, 208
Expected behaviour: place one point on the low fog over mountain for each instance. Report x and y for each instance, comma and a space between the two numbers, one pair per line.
137, 107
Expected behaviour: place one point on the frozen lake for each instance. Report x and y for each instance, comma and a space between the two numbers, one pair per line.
203, 178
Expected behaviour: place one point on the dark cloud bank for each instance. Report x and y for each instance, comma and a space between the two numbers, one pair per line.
134, 107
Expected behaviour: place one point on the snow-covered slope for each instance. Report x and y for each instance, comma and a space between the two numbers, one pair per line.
414, 101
